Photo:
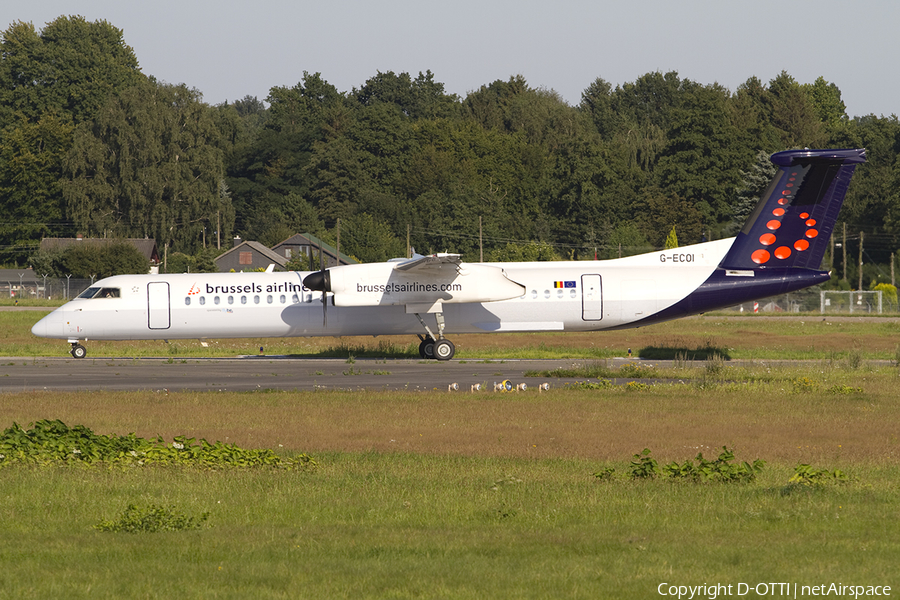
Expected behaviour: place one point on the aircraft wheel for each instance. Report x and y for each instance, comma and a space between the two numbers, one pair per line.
78, 351
426, 349
444, 350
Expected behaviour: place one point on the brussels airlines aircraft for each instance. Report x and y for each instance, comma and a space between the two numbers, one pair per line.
779, 250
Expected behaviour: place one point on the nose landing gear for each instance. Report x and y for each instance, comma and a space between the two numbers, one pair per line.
78, 351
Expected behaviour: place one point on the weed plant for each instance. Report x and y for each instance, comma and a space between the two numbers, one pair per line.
49, 442
151, 519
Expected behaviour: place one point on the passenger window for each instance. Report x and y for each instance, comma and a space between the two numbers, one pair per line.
255, 299
283, 299
230, 299
295, 299
572, 292
216, 300
269, 299
187, 300
534, 294
202, 300
546, 293
243, 299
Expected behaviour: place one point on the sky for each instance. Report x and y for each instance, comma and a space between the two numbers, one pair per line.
229, 49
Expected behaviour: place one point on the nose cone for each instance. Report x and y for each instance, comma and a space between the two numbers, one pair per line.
320, 281
50, 326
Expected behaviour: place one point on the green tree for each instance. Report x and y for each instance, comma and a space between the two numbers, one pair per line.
699, 163
149, 165
522, 252
50, 80
826, 100
369, 240
97, 259
753, 184
276, 163
596, 101
793, 114
663, 212
626, 239
31, 155
101, 260
69, 69
671, 240
202, 262
418, 98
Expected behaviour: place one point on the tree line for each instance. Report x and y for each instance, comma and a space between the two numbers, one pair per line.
90, 144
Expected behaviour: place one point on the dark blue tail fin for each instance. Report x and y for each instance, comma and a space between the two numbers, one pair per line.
793, 221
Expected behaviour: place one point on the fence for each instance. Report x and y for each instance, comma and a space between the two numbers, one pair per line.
815, 300
51, 288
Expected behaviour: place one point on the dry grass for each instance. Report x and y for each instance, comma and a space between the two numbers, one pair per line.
759, 420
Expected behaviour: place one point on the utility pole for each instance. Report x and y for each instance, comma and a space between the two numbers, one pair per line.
480, 245
338, 257
860, 261
844, 248
831, 253
408, 253
893, 283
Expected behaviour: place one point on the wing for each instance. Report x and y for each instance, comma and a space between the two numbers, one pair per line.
419, 262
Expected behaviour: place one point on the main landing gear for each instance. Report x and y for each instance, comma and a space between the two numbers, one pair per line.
78, 351
437, 347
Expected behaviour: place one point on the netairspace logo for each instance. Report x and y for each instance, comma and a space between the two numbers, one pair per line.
788, 590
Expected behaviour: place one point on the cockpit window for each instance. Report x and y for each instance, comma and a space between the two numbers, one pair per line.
89, 293
98, 292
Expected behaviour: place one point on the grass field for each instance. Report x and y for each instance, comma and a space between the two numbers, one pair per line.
808, 337
432, 495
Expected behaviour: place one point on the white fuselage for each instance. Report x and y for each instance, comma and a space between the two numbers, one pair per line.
559, 296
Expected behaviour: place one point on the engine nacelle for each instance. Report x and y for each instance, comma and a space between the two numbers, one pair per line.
383, 284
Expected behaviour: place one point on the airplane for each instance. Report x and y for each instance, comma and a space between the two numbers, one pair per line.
779, 250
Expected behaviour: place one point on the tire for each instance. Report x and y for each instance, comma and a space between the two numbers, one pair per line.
444, 350
79, 351
426, 349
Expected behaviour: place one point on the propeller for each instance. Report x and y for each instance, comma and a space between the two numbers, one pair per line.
320, 281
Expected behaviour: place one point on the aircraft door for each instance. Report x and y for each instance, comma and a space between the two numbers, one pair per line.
158, 309
591, 298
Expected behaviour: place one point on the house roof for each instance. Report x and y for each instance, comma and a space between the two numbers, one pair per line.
257, 247
308, 239
147, 247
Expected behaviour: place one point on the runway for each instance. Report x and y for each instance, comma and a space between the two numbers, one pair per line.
254, 373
